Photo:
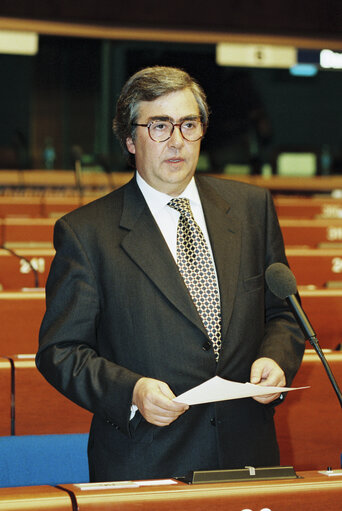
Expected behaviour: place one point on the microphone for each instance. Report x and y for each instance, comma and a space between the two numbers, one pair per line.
34, 271
282, 283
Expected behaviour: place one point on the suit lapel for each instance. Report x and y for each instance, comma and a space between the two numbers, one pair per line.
146, 246
225, 236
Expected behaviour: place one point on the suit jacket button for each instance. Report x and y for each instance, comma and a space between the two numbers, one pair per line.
213, 421
206, 346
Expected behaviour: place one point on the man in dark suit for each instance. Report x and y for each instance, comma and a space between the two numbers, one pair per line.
123, 333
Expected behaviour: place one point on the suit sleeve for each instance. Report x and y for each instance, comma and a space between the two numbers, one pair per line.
67, 355
283, 340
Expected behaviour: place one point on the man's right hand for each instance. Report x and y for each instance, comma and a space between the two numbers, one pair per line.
154, 401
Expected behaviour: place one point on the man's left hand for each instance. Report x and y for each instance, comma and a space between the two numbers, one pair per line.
266, 372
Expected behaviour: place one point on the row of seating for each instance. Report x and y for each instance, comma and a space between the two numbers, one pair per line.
312, 231
31, 406
308, 430
24, 267
297, 232
44, 201
43, 460
21, 313
308, 207
311, 266
20, 266
33, 206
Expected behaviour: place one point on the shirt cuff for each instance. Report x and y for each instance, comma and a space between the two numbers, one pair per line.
134, 408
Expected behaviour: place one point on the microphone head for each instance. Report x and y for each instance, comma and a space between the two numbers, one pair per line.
281, 280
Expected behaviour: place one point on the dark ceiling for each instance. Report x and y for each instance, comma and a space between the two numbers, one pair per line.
301, 18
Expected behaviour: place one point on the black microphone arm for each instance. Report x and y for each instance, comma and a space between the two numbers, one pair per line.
282, 284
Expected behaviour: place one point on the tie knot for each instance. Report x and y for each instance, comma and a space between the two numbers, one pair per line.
181, 204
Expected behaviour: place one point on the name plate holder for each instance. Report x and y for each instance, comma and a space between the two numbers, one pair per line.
241, 474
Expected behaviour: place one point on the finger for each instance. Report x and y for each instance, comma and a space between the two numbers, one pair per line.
159, 416
275, 378
161, 420
153, 399
256, 372
172, 405
268, 398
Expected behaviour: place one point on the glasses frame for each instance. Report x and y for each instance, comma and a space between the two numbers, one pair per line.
174, 125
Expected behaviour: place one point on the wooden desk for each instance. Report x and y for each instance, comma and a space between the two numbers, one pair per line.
300, 207
40, 408
324, 310
26, 230
20, 316
5, 397
315, 266
310, 492
310, 232
16, 273
48, 179
309, 422
20, 206
34, 498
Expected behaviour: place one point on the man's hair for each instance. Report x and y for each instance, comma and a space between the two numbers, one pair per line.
149, 84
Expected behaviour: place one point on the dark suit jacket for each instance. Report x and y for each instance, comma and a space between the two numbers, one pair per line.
117, 309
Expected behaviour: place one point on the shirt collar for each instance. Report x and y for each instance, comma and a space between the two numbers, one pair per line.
157, 200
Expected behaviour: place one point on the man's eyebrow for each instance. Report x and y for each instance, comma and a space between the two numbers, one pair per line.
189, 117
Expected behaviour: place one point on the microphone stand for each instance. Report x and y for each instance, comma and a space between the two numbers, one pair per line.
310, 335
34, 271
315, 344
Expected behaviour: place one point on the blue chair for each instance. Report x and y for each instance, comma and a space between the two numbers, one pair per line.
43, 459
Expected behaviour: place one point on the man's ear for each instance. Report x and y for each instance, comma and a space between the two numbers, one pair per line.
130, 145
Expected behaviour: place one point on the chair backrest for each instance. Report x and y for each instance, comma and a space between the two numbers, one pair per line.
43, 459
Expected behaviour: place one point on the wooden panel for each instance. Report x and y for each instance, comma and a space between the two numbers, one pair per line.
54, 206
57, 179
12, 206
324, 310
20, 316
28, 230
311, 233
34, 498
315, 266
5, 397
63, 178
300, 207
40, 408
308, 423
16, 273
311, 491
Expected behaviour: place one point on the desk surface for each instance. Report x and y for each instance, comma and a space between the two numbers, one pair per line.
311, 491
34, 498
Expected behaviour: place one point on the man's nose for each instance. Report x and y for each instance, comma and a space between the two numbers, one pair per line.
176, 138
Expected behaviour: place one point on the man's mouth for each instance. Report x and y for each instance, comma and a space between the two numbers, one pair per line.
175, 160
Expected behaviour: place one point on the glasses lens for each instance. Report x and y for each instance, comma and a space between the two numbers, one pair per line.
160, 130
192, 130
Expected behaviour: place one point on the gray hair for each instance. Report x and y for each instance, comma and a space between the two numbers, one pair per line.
146, 85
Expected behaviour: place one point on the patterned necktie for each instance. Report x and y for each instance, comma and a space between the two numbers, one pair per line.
197, 269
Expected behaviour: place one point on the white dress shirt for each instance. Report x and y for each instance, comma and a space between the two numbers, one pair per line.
167, 218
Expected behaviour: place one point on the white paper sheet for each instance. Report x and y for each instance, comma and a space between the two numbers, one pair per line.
219, 389
118, 485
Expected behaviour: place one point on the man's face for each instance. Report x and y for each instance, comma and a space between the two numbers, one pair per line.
166, 166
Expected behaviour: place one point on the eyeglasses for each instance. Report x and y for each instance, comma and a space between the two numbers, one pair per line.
160, 131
